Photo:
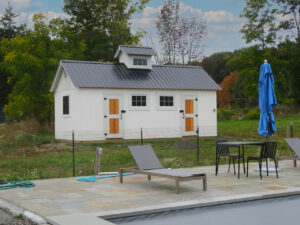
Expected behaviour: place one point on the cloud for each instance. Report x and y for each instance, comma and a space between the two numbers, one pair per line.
151, 11
220, 16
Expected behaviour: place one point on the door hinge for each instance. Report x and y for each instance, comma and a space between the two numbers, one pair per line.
196, 99
105, 116
105, 134
196, 115
105, 98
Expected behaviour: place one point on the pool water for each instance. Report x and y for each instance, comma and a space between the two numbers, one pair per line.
275, 211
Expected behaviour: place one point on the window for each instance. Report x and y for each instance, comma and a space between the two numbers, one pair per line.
138, 100
166, 101
66, 105
139, 62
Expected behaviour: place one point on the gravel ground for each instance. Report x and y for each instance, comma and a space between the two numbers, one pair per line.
8, 219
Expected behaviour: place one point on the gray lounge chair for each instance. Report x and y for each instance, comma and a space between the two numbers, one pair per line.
149, 164
294, 144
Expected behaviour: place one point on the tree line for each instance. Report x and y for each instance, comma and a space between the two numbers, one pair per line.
29, 57
94, 29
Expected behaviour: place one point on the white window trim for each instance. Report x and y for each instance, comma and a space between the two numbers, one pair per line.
139, 108
166, 108
139, 58
62, 103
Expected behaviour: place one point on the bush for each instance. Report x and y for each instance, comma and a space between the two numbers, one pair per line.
225, 114
253, 114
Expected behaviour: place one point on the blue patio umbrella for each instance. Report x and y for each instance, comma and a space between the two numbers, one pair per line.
267, 101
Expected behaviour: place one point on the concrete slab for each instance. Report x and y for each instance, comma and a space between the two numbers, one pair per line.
67, 201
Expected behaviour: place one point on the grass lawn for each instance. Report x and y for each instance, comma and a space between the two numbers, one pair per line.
29, 152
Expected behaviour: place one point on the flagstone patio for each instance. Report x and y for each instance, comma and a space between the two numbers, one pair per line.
67, 201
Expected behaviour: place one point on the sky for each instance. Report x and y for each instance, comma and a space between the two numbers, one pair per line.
222, 17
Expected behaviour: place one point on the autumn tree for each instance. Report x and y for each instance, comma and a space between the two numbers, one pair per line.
225, 96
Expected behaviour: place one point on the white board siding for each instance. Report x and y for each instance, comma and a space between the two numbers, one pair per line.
87, 113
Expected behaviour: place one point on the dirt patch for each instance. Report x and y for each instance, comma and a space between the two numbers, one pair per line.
170, 159
185, 145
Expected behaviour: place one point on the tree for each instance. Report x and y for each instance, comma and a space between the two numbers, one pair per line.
167, 27
289, 10
260, 25
180, 37
225, 97
8, 29
32, 61
215, 65
103, 24
191, 33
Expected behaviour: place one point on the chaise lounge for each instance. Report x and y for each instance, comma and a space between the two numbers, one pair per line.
149, 164
294, 144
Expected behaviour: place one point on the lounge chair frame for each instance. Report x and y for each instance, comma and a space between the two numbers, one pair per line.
149, 164
294, 158
176, 178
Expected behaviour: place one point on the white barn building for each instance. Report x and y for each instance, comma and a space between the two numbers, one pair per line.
116, 100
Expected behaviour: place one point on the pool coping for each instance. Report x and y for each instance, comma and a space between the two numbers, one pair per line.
196, 203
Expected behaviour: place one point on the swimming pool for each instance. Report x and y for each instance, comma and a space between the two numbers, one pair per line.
275, 211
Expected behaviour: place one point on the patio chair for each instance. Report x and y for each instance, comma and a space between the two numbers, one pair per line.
148, 164
223, 151
268, 151
294, 144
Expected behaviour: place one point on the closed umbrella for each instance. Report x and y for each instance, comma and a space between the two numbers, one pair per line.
267, 101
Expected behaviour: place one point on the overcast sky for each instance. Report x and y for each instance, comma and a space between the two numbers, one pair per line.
222, 16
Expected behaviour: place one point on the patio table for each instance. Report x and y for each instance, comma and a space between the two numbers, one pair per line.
238, 145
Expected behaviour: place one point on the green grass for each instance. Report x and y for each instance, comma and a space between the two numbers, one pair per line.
27, 152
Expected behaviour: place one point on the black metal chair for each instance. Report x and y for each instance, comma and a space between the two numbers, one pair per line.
223, 150
268, 151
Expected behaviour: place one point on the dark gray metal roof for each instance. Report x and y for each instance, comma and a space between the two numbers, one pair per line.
136, 50
110, 75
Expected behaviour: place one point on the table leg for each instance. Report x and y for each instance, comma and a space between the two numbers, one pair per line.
239, 162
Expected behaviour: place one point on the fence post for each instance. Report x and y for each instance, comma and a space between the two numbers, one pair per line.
73, 149
142, 141
291, 125
197, 144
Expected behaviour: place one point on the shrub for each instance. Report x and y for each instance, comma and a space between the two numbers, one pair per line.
253, 114
225, 114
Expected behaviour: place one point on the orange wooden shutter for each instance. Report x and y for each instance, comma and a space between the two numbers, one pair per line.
189, 106
189, 124
113, 106
113, 126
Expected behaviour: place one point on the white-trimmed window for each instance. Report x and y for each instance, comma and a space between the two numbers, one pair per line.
166, 101
138, 100
66, 105
139, 62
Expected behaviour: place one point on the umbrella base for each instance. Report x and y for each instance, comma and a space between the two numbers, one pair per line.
271, 170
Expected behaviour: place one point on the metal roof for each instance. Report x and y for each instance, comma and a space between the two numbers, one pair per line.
111, 75
136, 50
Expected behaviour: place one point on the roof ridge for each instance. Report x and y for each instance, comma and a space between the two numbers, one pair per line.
179, 66
87, 62
135, 46
111, 63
